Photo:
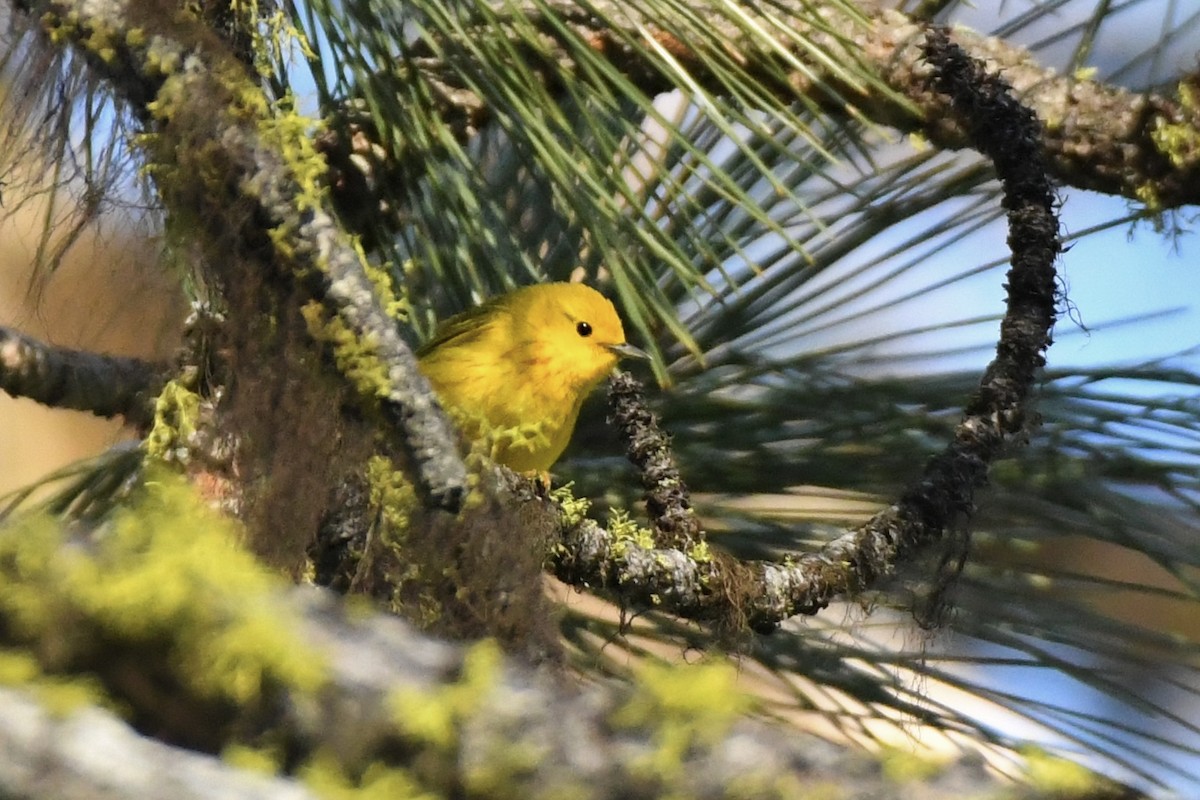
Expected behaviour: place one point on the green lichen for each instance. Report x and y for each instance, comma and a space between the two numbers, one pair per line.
164, 573
574, 509
626, 532
272, 35
683, 707
434, 716
291, 135
1056, 776
176, 416
385, 288
161, 58
59, 695
1147, 193
355, 358
327, 777
1180, 141
906, 766
253, 759
391, 495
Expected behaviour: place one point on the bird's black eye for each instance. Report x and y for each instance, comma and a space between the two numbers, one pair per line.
583, 329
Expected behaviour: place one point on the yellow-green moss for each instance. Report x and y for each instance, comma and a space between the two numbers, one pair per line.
291, 135
391, 494
253, 759
57, 694
1058, 776
326, 776
385, 288
574, 509
683, 706
176, 414
625, 532
1180, 141
272, 35
163, 569
701, 553
434, 716
758, 785
355, 358
904, 766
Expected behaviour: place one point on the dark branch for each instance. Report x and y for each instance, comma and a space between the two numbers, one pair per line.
106, 386
649, 448
766, 594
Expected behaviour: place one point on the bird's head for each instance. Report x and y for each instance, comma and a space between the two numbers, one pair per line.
576, 331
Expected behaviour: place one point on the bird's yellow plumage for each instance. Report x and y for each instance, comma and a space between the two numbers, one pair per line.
516, 369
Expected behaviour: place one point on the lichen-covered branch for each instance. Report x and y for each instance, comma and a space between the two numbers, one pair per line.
194, 643
649, 448
247, 180
50, 755
1096, 136
702, 585
59, 377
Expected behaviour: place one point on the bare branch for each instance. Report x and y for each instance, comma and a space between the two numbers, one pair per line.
59, 377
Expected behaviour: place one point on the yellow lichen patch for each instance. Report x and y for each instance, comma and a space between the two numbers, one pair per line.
272, 35
291, 135
1180, 141
625, 532
57, 694
355, 358
176, 413
385, 288
252, 759
683, 706
903, 765
391, 494
701, 553
574, 509
1057, 776
434, 716
165, 572
326, 776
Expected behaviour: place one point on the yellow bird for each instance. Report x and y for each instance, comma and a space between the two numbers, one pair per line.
516, 369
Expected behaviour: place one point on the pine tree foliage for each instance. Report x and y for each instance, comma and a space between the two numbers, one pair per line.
792, 260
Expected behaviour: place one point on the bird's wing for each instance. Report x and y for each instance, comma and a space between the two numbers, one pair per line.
464, 327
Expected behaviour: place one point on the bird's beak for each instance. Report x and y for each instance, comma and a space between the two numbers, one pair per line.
626, 350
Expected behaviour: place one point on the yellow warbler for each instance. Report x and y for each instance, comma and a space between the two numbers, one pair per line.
516, 369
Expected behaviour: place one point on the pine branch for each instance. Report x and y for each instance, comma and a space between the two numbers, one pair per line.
59, 377
1103, 137
705, 586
